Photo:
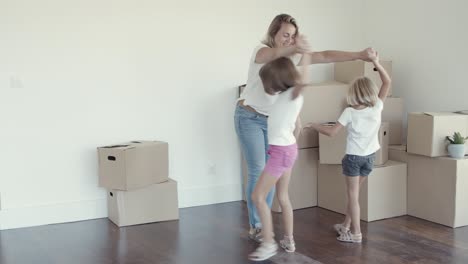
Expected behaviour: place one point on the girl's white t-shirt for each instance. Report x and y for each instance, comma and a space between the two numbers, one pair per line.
363, 129
254, 93
282, 119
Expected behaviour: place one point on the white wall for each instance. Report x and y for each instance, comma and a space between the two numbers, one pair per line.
75, 75
427, 42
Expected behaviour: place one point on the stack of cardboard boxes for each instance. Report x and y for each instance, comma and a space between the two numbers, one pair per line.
436, 183
136, 176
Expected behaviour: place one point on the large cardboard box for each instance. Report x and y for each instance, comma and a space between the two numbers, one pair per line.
133, 165
322, 102
437, 189
427, 132
348, 71
383, 194
154, 203
398, 153
393, 114
332, 149
303, 184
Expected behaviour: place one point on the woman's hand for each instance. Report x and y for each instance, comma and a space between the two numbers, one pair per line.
302, 45
368, 54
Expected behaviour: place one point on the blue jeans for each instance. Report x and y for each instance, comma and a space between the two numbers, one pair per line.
251, 128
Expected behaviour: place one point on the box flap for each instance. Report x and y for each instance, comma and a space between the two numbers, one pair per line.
462, 112
440, 114
119, 146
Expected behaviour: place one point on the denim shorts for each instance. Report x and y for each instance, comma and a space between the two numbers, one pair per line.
354, 165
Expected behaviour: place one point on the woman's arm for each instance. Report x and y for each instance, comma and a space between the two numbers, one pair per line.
267, 54
328, 56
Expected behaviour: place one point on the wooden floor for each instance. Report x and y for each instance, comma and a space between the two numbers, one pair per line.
217, 234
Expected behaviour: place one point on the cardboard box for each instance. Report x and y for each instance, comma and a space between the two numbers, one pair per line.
154, 203
393, 114
133, 165
348, 71
322, 102
398, 153
333, 149
307, 139
437, 189
383, 194
427, 132
303, 184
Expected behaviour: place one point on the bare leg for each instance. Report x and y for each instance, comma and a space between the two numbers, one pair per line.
353, 186
282, 191
263, 186
347, 221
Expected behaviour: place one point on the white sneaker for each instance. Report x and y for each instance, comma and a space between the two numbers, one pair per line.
264, 251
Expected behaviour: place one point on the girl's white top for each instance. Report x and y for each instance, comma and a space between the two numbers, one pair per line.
282, 119
363, 129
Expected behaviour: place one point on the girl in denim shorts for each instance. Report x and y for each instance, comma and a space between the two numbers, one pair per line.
281, 78
362, 121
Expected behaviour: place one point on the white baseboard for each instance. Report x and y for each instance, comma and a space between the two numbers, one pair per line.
11, 218
197, 196
52, 214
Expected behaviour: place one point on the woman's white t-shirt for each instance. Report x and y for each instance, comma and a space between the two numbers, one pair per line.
254, 93
363, 129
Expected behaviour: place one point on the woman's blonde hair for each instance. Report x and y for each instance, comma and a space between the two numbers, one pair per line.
279, 75
275, 26
362, 92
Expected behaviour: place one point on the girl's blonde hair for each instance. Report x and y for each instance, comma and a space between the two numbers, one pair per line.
275, 26
362, 92
279, 75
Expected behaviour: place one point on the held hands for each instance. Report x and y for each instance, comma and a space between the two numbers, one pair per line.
368, 54
302, 45
375, 59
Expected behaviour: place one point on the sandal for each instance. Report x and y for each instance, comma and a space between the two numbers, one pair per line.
340, 228
288, 245
256, 234
350, 237
264, 251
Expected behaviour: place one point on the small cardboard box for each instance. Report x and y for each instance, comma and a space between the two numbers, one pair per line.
303, 183
383, 194
133, 165
154, 203
437, 189
393, 114
349, 70
322, 102
427, 132
333, 149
